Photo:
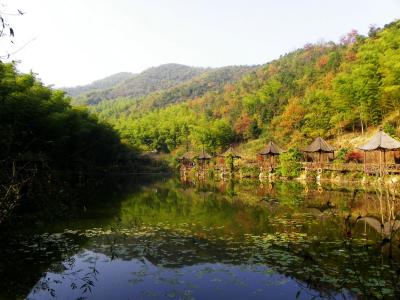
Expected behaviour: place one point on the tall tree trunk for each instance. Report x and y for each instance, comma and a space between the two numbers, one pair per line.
362, 127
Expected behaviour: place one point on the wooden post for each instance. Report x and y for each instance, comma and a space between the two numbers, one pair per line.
319, 155
384, 162
365, 162
380, 162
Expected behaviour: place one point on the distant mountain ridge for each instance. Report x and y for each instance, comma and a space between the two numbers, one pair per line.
137, 85
101, 84
210, 81
153, 88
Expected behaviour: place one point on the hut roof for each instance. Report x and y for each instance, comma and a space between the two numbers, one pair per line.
319, 145
203, 155
381, 140
231, 153
186, 156
271, 149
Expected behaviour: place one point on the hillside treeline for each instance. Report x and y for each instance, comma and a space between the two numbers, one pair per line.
325, 89
43, 136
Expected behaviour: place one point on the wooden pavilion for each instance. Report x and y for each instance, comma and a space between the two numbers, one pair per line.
383, 143
270, 151
203, 160
186, 159
186, 163
231, 155
320, 146
203, 156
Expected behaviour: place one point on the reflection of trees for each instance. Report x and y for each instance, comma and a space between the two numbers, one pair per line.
33, 255
82, 280
174, 227
24, 261
383, 217
171, 249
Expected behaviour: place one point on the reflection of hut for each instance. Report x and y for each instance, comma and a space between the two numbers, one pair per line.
320, 146
381, 142
270, 151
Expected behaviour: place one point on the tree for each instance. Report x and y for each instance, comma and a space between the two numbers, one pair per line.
6, 29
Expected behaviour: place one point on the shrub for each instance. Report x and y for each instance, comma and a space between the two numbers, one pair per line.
354, 156
341, 155
289, 163
389, 129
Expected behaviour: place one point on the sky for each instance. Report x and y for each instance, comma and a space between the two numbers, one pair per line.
75, 42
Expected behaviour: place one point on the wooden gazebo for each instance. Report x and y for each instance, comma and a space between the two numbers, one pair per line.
185, 159
203, 157
381, 142
319, 145
231, 155
270, 151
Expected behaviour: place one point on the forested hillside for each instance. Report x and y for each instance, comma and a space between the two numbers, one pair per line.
47, 145
325, 89
97, 85
212, 80
150, 80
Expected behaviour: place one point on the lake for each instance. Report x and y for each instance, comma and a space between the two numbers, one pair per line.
213, 240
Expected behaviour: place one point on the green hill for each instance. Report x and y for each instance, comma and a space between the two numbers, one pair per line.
326, 89
98, 85
212, 80
135, 86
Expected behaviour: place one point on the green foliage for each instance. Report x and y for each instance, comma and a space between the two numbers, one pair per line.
41, 132
164, 130
254, 129
389, 129
341, 155
289, 163
37, 121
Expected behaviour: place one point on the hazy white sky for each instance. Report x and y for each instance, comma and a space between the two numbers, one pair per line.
78, 41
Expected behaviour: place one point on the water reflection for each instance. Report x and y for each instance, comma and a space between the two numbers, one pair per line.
216, 240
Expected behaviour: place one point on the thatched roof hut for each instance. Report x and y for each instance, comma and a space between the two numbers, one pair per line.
319, 145
203, 155
186, 158
231, 153
381, 141
271, 149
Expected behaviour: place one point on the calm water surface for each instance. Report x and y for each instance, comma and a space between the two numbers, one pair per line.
214, 240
